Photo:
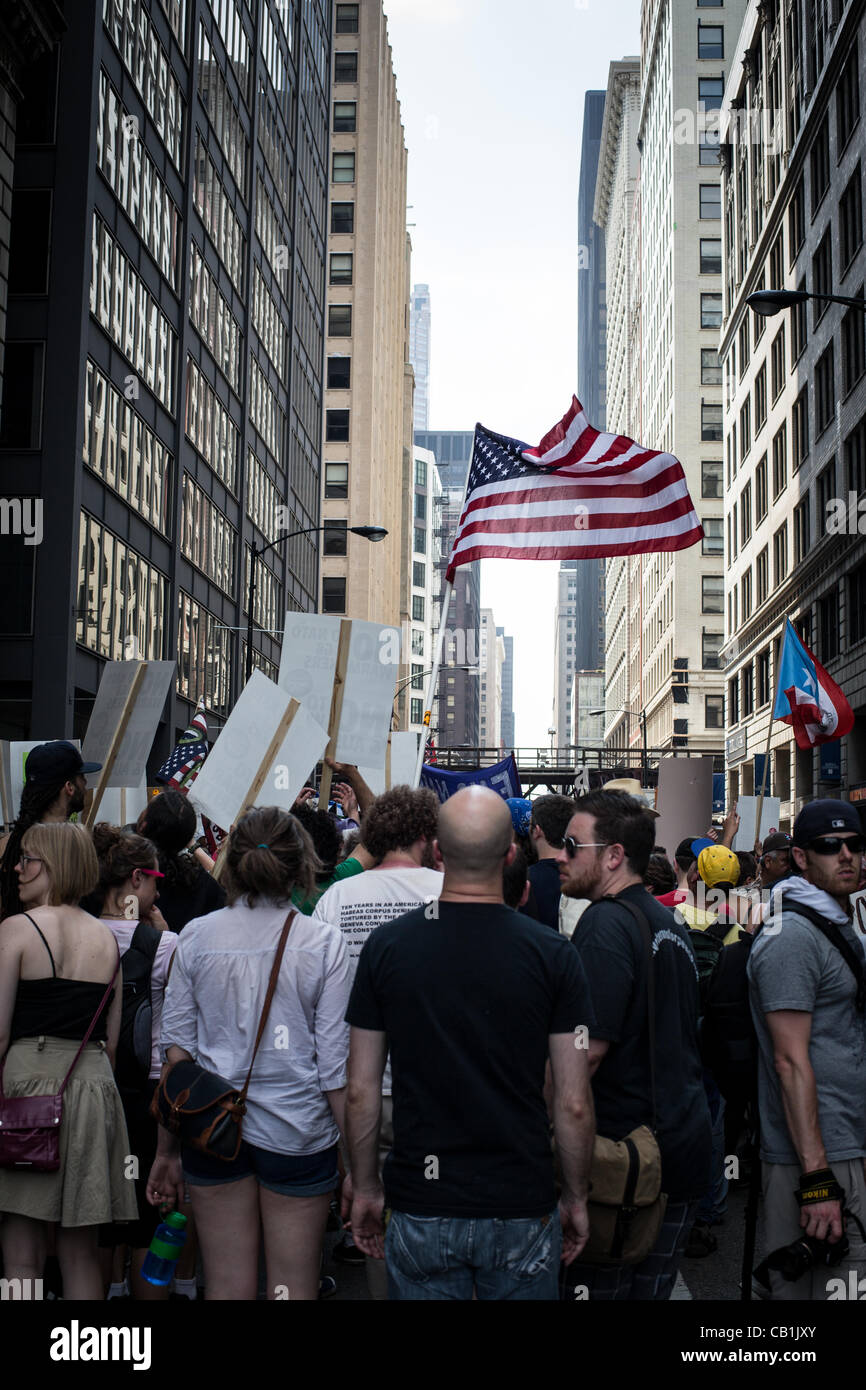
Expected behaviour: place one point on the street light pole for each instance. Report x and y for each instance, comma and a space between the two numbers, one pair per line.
766, 303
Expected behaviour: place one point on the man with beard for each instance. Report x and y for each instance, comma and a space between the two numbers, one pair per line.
808, 1000
55, 786
604, 858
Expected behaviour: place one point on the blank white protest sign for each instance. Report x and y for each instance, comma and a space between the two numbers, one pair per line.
130, 762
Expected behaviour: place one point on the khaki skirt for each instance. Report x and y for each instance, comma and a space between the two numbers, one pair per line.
94, 1183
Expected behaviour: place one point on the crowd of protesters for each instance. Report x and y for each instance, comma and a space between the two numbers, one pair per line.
469, 994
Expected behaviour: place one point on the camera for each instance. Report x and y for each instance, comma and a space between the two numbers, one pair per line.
794, 1260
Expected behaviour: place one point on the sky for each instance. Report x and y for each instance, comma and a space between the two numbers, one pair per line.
491, 95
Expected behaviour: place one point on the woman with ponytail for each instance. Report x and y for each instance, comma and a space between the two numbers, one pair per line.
129, 884
286, 1171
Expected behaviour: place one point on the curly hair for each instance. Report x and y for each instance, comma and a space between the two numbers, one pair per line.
325, 835
169, 821
120, 853
398, 818
269, 854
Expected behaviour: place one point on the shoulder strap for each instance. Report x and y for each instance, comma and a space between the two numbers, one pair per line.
45, 944
272, 984
647, 937
86, 1039
834, 935
145, 940
718, 930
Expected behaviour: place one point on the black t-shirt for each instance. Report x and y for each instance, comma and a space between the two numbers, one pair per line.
610, 945
180, 905
468, 1000
544, 877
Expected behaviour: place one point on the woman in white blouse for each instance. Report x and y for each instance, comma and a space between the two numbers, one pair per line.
286, 1169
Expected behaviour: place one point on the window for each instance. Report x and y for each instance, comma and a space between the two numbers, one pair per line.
714, 711
418, 643
761, 398
763, 665
710, 200
819, 164
341, 268
345, 66
822, 276
343, 166
712, 593
850, 219
761, 495
796, 221
825, 390
825, 491
777, 363
711, 420
734, 700
780, 462
744, 345
345, 117
711, 255
745, 429
711, 478
125, 308
711, 311
336, 426
777, 262
339, 379
801, 530
420, 507
855, 459
748, 685
746, 595
336, 479
713, 542
419, 571
745, 513
711, 367
30, 241
828, 626
847, 100
418, 607
420, 472
419, 542
334, 594
762, 576
710, 93
339, 320
853, 346
710, 645
347, 19
342, 217
21, 417
857, 604
416, 711
800, 429
708, 147
711, 40
335, 538
799, 330
780, 555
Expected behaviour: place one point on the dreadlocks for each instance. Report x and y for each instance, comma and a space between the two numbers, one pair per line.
36, 799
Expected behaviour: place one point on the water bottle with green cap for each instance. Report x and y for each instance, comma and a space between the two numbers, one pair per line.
162, 1257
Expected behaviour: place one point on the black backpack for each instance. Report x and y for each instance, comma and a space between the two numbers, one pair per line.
707, 945
136, 1018
729, 1043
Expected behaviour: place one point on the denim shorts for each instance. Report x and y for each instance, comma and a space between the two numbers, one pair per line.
292, 1175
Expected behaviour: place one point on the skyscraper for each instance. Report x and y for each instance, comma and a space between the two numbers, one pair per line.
419, 353
507, 720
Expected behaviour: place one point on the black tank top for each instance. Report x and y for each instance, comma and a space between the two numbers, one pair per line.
58, 1008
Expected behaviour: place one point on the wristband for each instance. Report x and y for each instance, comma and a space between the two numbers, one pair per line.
819, 1186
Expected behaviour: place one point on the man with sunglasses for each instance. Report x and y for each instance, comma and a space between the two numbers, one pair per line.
808, 1001
604, 858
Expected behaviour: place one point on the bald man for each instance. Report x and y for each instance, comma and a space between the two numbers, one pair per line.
472, 998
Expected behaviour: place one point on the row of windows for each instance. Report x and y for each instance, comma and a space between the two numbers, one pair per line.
267, 600
122, 304
273, 146
204, 655
232, 32
175, 13
206, 537
125, 452
275, 62
121, 598
265, 412
263, 499
215, 209
209, 427
132, 177
269, 230
222, 113
213, 320
129, 25
268, 323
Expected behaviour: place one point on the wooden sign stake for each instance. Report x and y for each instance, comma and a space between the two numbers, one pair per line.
336, 710
116, 741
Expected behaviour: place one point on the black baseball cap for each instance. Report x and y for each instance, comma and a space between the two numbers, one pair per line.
58, 761
773, 843
825, 817
684, 849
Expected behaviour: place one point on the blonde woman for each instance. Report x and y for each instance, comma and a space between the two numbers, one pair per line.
56, 962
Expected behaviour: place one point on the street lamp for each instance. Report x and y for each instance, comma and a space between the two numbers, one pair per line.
370, 533
633, 714
766, 303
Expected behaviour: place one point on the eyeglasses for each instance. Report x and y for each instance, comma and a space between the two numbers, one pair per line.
26, 859
152, 873
571, 846
831, 844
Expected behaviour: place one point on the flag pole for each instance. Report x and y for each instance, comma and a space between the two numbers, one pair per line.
440, 637
764, 778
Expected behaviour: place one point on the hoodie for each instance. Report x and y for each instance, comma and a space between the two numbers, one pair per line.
790, 891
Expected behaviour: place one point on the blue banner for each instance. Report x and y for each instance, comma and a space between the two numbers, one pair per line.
831, 762
502, 778
718, 793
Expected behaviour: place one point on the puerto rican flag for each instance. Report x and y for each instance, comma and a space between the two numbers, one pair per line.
807, 698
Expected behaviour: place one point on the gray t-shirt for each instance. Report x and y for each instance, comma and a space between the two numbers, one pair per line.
796, 967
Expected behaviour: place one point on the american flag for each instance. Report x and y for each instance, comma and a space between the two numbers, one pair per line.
580, 494
182, 768
430, 753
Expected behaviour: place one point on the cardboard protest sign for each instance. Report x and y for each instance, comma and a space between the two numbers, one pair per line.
262, 755
400, 760
308, 661
858, 905
368, 698
131, 744
122, 805
13, 759
684, 800
747, 810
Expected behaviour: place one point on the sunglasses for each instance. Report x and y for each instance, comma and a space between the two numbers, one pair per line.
831, 844
152, 873
571, 846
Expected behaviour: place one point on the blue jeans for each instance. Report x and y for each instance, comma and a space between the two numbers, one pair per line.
446, 1257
